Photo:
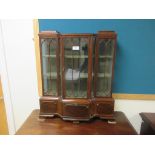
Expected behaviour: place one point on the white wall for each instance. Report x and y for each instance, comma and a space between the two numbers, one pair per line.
18, 70
19, 53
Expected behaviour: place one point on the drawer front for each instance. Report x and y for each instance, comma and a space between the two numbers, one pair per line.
104, 108
75, 110
48, 107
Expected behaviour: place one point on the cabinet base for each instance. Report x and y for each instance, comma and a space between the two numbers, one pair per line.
77, 109
110, 119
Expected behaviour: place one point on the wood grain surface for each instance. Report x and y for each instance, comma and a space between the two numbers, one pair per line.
56, 126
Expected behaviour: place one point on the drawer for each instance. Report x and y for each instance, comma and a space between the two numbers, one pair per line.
104, 108
76, 110
48, 107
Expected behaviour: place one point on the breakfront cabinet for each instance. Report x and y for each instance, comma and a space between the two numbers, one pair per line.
77, 74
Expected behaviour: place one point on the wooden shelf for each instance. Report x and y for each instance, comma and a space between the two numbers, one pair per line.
53, 75
51, 93
103, 93
107, 56
49, 56
75, 56
100, 75
82, 75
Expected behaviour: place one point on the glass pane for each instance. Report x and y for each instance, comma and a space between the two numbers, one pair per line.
76, 67
105, 61
49, 47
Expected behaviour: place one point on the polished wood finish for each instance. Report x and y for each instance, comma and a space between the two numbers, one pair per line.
107, 34
48, 34
77, 35
89, 84
104, 108
77, 109
148, 124
58, 67
56, 126
96, 66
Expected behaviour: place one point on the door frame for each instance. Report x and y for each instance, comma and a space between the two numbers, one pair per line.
6, 85
57, 52
98, 39
90, 41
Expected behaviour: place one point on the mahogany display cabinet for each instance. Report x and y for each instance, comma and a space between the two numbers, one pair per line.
77, 73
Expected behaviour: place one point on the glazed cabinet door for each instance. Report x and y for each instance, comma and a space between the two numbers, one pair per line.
50, 66
104, 58
76, 56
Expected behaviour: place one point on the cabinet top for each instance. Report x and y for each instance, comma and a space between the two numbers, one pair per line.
57, 34
107, 33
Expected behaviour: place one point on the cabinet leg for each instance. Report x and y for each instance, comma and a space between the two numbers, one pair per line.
113, 121
41, 119
76, 122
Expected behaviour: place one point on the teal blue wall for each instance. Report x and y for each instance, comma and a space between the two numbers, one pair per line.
135, 58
